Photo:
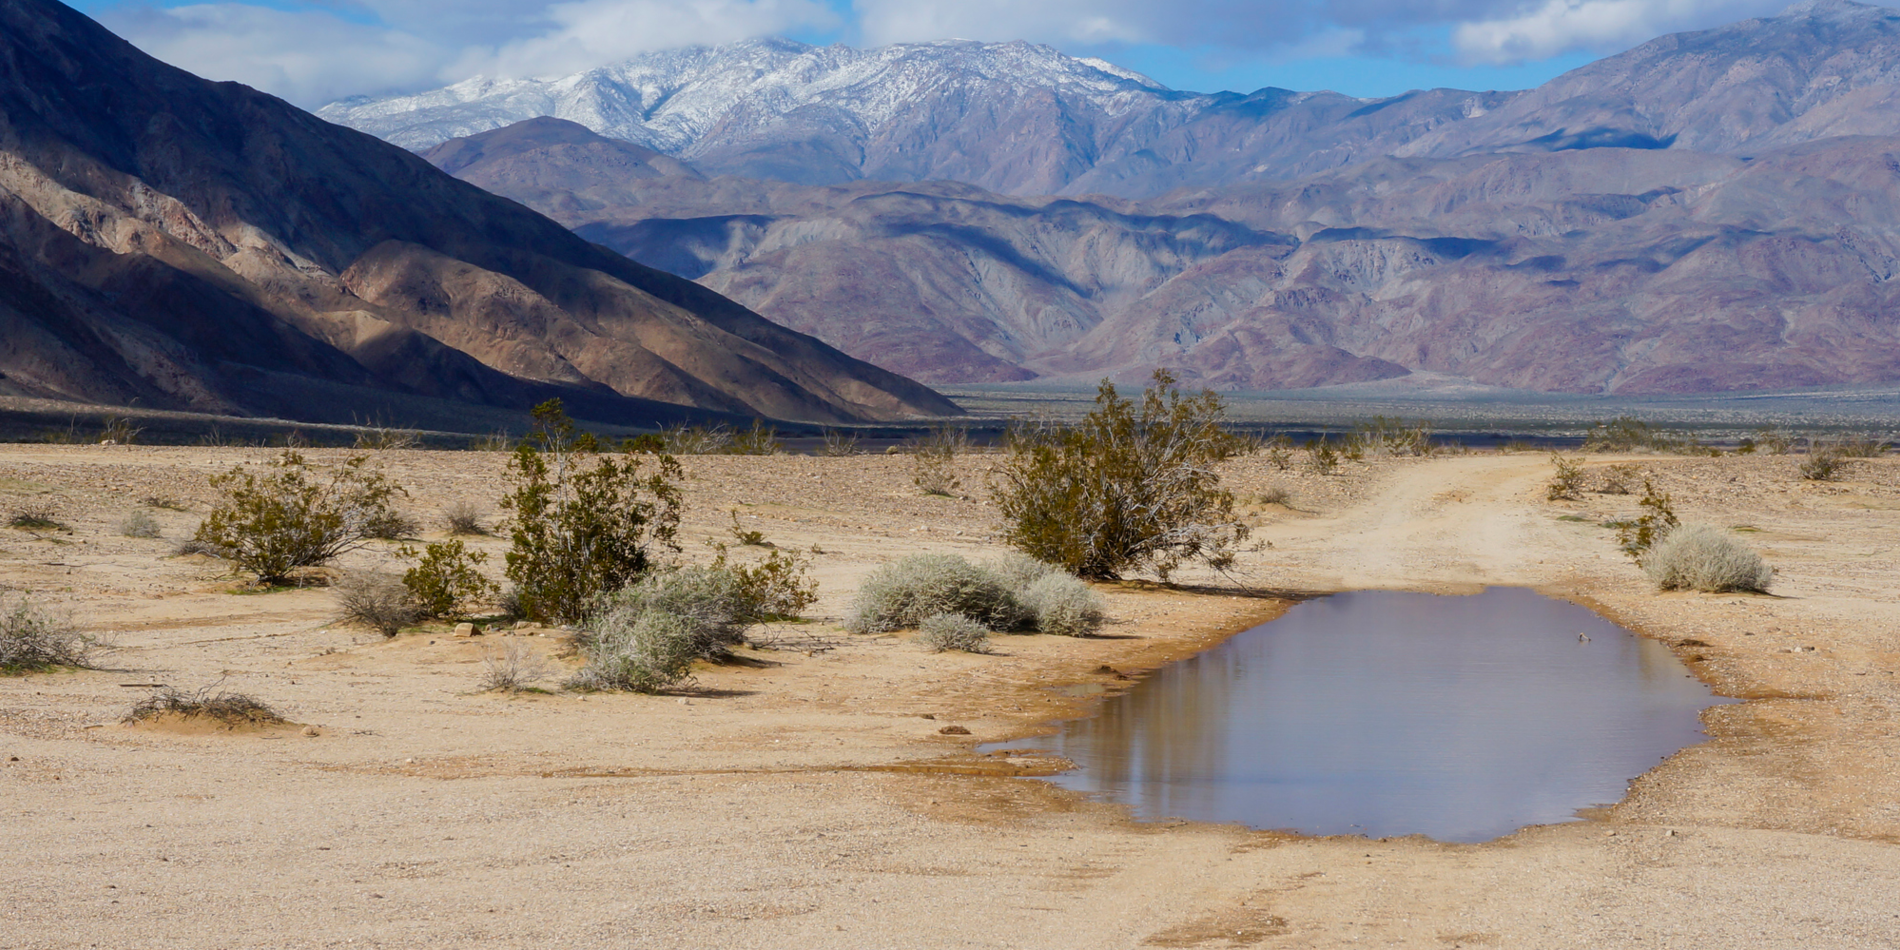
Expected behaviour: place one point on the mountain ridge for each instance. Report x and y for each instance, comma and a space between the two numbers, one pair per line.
199, 245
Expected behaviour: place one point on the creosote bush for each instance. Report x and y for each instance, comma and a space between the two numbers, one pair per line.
1821, 465
1126, 489
1703, 557
34, 639
1322, 456
381, 602
940, 633
1656, 522
1567, 481
231, 709
839, 444
291, 516
581, 530
445, 582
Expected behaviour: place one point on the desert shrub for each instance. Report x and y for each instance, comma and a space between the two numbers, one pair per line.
36, 516
1772, 440
1821, 465
1655, 523
1322, 456
138, 523
778, 588
512, 667
901, 594
381, 602
1567, 480
646, 636
684, 439
463, 517
391, 525
1393, 436
746, 537
376, 437
940, 633
1063, 605
1627, 433
445, 581
231, 709
34, 639
289, 517
1277, 495
579, 531
1618, 479
761, 439
1124, 490
934, 461
839, 444
1279, 452
1706, 558
1053, 600
119, 430
639, 652
1854, 445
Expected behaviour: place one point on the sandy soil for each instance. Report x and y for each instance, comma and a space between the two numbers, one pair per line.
805, 796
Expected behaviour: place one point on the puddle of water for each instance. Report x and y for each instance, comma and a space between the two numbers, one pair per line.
1390, 713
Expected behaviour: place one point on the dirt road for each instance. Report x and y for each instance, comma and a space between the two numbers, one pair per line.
800, 798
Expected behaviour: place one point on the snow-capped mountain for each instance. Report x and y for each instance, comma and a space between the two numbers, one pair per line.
729, 107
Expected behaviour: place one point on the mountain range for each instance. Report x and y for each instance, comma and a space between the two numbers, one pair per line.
198, 245
1706, 212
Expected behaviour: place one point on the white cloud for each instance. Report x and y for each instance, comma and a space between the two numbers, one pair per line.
1224, 23
1560, 26
589, 33
307, 57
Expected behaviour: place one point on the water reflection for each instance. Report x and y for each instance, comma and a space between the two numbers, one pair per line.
1388, 713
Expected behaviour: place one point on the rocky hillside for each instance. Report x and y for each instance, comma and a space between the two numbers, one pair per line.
1585, 270
201, 245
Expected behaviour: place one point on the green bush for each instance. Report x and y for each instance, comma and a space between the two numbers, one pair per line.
290, 516
580, 531
1706, 558
900, 595
940, 633
1124, 490
1821, 465
1568, 480
1322, 456
445, 582
1656, 522
33, 640
779, 587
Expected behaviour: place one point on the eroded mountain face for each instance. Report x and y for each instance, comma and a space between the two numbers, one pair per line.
202, 245
1586, 270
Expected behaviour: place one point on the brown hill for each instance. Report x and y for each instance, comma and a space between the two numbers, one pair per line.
202, 245
1604, 269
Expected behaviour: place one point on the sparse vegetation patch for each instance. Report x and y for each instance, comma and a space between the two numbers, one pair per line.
34, 639
225, 708
1703, 557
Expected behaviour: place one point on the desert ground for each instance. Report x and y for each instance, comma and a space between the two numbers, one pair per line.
805, 794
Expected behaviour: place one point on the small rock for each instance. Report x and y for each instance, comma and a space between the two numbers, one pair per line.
926, 715
311, 731
464, 629
954, 731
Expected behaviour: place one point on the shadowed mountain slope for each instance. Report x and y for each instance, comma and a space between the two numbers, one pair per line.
202, 245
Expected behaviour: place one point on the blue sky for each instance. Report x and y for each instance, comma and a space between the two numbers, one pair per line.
315, 51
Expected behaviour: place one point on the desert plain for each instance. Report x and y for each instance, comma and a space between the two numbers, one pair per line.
806, 794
